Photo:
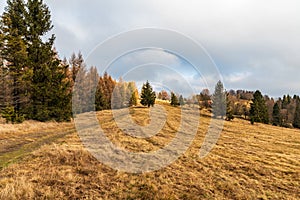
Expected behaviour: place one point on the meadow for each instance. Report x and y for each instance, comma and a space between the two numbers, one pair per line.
48, 161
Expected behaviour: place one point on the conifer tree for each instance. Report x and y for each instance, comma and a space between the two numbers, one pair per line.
181, 100
174, 99
258, 110
276, 121
147, 95
219, 101
296, 122
13, 51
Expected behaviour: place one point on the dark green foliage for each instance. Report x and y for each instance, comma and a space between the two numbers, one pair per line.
10, 115
39, 84
285, 102
277, 120
229, 109
258, 110
219, 101
174, 100
181, 100
296, 122
13, 51
147, 95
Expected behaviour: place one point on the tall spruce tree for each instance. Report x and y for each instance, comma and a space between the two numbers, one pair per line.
296, 122
13, 52
181, 100
174, 100
219, 101
147, 95
258, 110
276, 116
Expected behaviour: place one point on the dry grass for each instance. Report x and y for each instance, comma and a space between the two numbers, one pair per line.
16, 130
248, 162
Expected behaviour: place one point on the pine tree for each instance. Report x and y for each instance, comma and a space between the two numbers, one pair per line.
100, 101
181, 100
258, 110
277, 121
13, 52
219, 101
296, 122
284, 102
147, 95
174, 99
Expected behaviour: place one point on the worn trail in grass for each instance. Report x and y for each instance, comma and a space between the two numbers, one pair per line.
17, 146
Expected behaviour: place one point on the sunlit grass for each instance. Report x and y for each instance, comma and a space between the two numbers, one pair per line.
249, 162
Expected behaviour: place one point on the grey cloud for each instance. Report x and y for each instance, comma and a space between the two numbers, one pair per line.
261, 38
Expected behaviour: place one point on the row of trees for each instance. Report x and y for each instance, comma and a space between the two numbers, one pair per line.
252, 105
36, 84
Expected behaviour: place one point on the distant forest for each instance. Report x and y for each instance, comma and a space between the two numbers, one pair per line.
36, 84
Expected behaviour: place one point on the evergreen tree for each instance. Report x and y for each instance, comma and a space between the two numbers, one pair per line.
147, 95
277, 121
13, 51
284, 102
174, 99
181, 100
296, 122
99, 98
258, 110
219, 100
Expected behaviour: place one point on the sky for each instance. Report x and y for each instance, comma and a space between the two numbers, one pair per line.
251, 44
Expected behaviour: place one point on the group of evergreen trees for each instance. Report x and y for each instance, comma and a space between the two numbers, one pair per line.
34, 82
286, 112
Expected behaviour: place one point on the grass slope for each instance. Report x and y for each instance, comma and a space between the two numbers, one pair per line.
249, 162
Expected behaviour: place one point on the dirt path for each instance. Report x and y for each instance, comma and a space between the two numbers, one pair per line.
14, 149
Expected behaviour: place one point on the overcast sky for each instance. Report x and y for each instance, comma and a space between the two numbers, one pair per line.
255, 44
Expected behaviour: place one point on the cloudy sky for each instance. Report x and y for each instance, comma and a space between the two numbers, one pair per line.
254, 44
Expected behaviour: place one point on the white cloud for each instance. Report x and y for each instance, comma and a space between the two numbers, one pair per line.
237, 77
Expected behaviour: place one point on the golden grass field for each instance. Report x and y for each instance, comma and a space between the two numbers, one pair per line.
249, 162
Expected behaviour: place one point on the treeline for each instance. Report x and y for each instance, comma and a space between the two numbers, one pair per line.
249, 105
36, 84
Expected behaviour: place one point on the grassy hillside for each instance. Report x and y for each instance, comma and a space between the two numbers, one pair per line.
249, 162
